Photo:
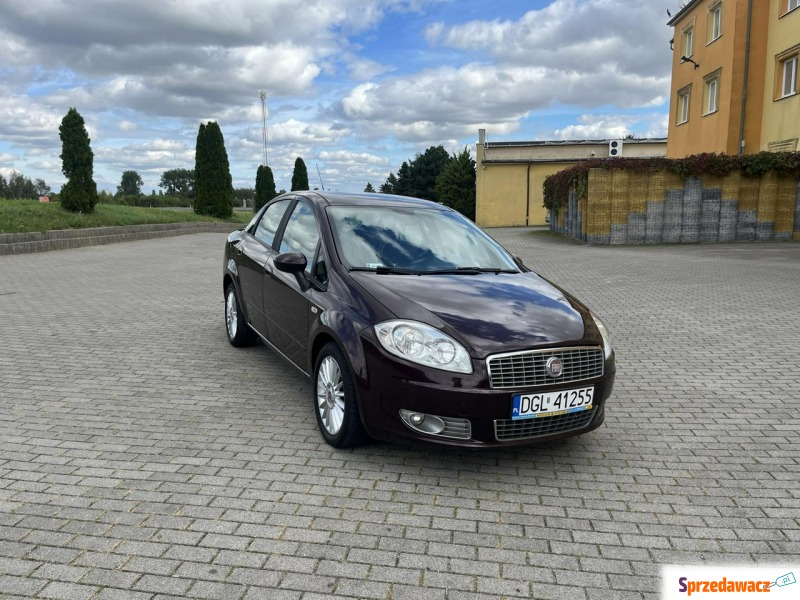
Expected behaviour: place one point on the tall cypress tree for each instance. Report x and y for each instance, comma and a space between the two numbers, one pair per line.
79, 194
214, 184
265, 187
299, 175
200, 170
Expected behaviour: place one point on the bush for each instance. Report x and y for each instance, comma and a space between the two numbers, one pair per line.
557, 186
148, 201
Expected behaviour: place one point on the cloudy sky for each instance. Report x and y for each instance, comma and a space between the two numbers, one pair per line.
353, 86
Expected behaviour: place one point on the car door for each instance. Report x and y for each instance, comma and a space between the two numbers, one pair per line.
286, 305
252, 254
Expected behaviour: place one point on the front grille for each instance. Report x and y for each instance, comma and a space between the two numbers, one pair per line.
508, 429
527, 368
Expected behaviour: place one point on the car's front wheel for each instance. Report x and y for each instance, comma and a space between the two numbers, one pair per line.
335, 401
239, 334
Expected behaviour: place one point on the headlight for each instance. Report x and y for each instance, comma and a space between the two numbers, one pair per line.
424, 345
607, 351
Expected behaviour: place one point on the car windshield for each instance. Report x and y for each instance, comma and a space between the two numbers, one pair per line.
401, 240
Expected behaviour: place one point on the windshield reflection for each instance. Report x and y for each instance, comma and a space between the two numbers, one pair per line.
422, 240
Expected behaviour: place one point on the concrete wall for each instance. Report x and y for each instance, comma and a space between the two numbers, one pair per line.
645, 208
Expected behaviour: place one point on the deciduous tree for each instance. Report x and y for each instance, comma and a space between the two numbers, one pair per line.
130, 184
42, 189
178, 182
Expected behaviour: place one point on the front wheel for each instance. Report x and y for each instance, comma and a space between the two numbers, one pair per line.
239, 334
335, 401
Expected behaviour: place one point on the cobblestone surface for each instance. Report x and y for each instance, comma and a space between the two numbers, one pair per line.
142, 457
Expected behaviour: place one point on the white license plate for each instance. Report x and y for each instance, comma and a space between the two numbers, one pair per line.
548, 404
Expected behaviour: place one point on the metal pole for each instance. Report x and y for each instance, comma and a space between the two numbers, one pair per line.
746, 70
263, 95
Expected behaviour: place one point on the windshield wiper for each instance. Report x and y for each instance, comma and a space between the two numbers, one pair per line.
384, 270
470, 271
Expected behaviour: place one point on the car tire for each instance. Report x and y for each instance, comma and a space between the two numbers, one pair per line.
239, 333
335, 402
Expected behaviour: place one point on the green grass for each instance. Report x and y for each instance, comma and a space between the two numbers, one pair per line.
23, 216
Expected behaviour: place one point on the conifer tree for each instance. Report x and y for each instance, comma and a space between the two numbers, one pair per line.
265, 187
79, 194
299, 175
455, 186
214, 184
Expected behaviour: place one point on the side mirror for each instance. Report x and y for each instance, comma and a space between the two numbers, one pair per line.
294, 263
291, 262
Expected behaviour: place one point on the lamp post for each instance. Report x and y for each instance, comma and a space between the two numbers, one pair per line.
263, 95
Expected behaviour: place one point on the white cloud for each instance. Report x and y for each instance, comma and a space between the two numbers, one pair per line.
25, 121
579, 35
441, 102
299, 132
598, 127
352, 158
145, 74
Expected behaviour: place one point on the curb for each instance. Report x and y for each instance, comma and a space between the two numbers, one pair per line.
63, 239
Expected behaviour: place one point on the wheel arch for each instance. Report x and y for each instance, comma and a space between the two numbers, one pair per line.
338, 330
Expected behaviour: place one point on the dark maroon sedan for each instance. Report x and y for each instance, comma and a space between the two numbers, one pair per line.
413, 323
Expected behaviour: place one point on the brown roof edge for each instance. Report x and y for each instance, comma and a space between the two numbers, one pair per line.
682, 12
575, 142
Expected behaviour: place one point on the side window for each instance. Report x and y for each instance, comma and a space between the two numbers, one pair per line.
301, 233
270, 221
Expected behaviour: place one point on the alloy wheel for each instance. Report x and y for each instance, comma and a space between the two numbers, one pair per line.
330, 395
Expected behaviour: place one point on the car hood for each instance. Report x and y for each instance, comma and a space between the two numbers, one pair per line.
488, 313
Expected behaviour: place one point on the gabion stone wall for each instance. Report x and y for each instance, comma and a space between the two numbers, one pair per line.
658, 208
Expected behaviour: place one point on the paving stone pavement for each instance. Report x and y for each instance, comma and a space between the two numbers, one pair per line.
142, 457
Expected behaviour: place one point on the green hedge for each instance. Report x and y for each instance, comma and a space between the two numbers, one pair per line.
148, 201
557, 186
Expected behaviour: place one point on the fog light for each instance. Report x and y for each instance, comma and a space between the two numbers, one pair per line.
422, 422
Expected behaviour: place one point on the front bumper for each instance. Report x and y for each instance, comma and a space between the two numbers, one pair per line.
465, 403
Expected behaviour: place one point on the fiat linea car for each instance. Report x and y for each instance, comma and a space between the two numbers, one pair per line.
411, 322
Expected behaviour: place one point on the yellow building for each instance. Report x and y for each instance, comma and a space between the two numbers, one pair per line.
510, 174
734, 77
780, 128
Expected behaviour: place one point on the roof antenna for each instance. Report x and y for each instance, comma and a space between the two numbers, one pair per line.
320, 177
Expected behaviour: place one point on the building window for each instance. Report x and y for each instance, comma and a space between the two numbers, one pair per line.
714, 21
688, 41
684, 98
711, 93
789, 76
792, 4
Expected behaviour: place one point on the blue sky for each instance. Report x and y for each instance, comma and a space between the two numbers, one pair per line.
354, 87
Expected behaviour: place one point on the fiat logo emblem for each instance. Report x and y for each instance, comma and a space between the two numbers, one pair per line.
554, 367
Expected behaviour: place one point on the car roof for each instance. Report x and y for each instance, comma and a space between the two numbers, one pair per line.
367, 199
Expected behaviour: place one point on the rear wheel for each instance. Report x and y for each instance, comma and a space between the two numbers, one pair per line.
239, 334
335, 401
